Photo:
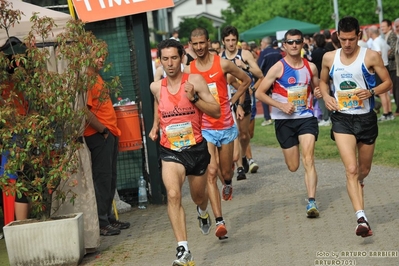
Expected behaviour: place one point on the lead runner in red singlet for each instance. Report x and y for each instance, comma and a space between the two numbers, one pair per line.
180, 100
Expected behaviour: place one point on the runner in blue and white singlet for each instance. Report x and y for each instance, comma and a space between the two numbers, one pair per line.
348, 78
293, 80
294, 86
354, 129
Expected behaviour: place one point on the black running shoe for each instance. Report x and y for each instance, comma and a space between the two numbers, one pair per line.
120, 225
241, 174
109, 231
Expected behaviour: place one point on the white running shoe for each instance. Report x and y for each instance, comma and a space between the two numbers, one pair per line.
324, 123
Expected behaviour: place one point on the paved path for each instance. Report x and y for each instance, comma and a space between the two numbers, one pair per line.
267, 223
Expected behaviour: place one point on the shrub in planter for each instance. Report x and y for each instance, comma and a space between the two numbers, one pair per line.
43, 143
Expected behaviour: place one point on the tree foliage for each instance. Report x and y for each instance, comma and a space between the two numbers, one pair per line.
42, 143
188, 24
247, 14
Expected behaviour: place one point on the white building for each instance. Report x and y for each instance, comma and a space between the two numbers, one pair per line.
167, 20
198, 8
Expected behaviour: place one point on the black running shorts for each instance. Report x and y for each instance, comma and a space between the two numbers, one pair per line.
195, 160
364, 126
288, 130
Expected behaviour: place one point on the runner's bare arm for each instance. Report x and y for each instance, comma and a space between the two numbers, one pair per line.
206, 103
253, 65
158, 73
324, 85
315, 80
186, 70
155, 87
374, 61
274, 73
234, 82
230, 68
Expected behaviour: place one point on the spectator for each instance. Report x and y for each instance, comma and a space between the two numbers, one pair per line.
270, 55
317, 57
175, 36
101, 135
335, 41
329, 42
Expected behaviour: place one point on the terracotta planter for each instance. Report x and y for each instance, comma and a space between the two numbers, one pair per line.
59, 241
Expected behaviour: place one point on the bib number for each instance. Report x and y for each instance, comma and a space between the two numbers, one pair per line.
298, 97
180, 136
348, 100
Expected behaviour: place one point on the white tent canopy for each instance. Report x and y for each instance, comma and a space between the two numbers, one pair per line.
21, 30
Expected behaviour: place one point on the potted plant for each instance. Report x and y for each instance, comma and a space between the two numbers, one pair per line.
43, 144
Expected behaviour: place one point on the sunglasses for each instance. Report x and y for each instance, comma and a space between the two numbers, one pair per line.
291, 42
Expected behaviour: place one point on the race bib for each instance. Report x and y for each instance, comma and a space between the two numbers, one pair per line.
298, 96
180, 136
214, 91
348, 100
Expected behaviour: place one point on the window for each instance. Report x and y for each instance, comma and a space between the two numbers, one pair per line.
208, 1
199, 2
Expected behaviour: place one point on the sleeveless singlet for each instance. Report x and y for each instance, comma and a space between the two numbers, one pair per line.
217, 85
239, 56
189, 59
180, 119
347, 78
294, 86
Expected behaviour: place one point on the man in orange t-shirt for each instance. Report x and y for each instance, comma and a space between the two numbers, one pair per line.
101, 135
21, 207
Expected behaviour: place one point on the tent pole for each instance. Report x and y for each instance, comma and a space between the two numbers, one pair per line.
336, 14
71, 10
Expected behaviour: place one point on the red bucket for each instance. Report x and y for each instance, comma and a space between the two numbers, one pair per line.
129, 124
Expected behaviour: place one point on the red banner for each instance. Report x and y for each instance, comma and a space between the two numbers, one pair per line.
95, 10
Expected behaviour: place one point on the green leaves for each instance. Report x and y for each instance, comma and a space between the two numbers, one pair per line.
54, 80
246, 14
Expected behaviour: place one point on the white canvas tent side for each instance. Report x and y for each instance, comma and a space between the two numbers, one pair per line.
20, 30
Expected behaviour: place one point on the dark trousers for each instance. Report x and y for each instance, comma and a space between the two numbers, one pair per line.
266, 112
104, 155
395, 88
324, 111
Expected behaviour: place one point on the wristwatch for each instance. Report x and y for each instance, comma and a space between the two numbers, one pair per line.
196, 98
372, 92
105, 131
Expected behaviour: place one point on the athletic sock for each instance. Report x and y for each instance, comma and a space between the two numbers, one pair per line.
360, 213
311, 199
219, 219
227, 182
184, 244
201, 212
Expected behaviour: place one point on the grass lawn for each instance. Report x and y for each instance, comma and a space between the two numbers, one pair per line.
386, 149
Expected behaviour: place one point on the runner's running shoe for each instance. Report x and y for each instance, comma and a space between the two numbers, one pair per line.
241, 174
204, 223
221, 230
311, 209
363, 228
227, 192
183, 257
253, 167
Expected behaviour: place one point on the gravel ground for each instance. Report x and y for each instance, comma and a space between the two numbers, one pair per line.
267, 222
